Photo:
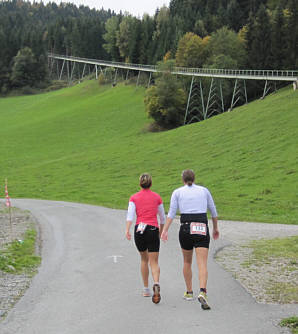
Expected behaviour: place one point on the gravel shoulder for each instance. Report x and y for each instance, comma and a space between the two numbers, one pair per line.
13, 286
270, 282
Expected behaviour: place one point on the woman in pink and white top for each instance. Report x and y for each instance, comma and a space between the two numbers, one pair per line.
146, 204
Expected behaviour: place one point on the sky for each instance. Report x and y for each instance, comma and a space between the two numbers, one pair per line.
134, 7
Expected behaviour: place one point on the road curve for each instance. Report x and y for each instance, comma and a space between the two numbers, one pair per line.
89, 283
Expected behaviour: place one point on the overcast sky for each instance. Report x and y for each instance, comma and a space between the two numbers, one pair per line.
135, 7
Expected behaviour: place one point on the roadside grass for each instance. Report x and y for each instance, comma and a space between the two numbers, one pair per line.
5, 210
19, 256
87, 144
292, 323
283, 292
264, 250
280, 255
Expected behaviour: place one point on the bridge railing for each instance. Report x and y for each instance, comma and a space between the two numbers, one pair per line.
287, 75
230, 72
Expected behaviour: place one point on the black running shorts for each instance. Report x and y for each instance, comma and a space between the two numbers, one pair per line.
189, 241
148, 240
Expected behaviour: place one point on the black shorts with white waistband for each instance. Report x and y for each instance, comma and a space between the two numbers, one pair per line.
189, 241
148, 240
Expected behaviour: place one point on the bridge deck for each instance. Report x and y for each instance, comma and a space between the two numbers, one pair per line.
274, 75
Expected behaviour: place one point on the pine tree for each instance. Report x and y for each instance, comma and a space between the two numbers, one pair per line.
259, 36
278, 39
234, 15
24, 68
146, 32
291, 59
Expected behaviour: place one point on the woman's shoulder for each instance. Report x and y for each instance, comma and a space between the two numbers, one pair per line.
202, 188
134, 196
155, 194
179, 190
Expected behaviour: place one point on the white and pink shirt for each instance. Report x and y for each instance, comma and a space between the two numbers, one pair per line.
146, 204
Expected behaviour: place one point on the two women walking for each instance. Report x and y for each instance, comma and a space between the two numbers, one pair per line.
192, 201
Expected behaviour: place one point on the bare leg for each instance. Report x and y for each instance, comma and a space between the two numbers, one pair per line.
187, 272
144, 267
202, 257
155, 270
153, 261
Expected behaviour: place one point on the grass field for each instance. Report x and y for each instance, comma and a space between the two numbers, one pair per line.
87, 144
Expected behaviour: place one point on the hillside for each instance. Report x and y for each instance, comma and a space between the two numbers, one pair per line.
87, 144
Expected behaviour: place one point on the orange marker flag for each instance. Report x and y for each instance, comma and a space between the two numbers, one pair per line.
8, 203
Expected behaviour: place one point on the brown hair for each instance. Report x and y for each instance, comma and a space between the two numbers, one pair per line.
145, 180
188, 176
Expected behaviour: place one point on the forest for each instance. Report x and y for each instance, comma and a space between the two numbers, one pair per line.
243, 34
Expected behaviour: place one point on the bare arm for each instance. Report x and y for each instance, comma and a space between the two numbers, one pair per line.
164, 235
215, 231
171, 216
162, 218
161, 227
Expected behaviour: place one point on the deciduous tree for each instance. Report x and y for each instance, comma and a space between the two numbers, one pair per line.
110, 37
191, 51
165, 102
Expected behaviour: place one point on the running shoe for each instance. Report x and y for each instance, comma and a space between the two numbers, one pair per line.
204, 301
156, 294
146, 292
188, 296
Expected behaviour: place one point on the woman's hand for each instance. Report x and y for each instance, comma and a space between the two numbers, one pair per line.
215, 234
128, 235
164, 236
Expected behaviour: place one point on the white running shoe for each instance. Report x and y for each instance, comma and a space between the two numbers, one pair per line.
146, 292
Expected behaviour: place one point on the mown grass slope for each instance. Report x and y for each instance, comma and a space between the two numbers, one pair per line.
87, 144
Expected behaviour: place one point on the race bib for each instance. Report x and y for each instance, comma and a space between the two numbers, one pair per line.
141, 227
198, 228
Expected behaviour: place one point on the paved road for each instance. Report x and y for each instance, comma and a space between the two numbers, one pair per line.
82, 288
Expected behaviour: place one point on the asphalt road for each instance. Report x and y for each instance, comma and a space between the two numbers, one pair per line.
89, 282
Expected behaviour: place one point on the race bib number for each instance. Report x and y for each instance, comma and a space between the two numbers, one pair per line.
141, 227
198, 228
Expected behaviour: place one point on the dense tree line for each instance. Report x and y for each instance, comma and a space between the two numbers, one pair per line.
28, 31
258, 34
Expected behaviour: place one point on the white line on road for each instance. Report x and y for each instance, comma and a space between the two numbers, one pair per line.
115, 257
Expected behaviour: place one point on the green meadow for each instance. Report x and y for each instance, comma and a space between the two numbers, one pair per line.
88, 144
